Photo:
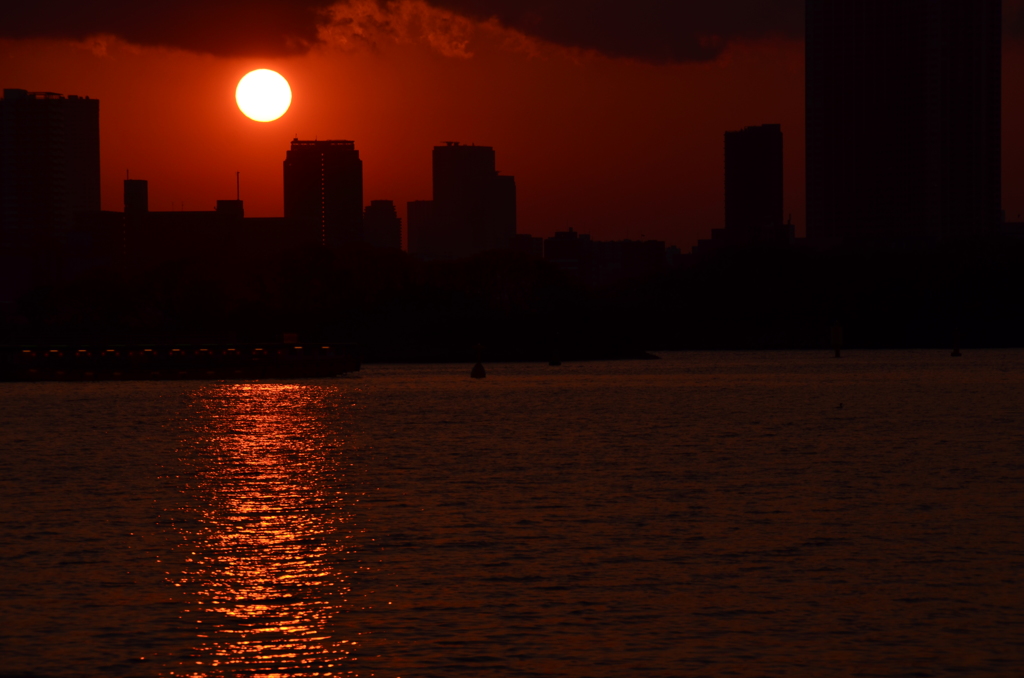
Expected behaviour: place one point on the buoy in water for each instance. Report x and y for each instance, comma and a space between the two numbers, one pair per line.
478, 371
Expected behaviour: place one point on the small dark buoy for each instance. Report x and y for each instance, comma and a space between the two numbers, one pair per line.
837, 339
478, 370
555, 363
840, 406
956, 353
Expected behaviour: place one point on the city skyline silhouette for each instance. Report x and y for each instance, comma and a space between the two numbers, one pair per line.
905, 139
650, 130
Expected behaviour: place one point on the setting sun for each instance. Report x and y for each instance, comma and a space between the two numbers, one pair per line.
263, 95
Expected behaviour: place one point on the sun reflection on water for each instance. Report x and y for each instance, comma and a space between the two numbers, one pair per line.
266, 567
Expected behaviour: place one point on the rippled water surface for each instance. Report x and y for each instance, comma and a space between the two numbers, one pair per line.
744, 514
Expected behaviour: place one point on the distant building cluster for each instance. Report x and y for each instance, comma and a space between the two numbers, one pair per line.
51, 225
606, 262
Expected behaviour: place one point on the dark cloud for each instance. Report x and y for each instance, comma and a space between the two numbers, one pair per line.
220, 27
651, 30
654, 30
1013, 18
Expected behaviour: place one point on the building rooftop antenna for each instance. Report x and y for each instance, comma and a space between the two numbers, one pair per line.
238, 186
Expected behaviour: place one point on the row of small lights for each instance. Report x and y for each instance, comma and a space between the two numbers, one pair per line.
173, 352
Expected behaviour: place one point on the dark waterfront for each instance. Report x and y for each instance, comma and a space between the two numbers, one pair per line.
709, 514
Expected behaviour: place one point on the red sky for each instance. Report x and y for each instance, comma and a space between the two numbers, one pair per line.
610, 145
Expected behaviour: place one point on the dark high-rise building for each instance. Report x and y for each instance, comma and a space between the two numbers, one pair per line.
753, 192
382, 226
49, 163
473, 210
753, 178
323, 182
903, 118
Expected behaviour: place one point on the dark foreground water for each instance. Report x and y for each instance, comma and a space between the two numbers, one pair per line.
703, 515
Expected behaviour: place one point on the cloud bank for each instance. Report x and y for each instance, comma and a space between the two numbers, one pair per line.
657, 31
218, 27
650, 30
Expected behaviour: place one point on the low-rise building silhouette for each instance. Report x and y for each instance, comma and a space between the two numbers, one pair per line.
382, 226
419, 223
600, 263
149, 238
528, 245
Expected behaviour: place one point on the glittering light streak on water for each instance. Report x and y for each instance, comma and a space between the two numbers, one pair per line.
263, 574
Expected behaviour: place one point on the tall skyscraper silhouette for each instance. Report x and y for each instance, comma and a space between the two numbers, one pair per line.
903, 119
323, 182
753, 178
49, 163
473, 210
753, 192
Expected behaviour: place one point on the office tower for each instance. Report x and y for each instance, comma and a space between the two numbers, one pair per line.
323, 182
49, 163
753, 179
473, 210
381, 225
903, 119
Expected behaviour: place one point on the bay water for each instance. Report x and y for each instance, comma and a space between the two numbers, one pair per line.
707, 514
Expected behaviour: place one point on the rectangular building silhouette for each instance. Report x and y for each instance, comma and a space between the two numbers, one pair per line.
224, 235
382, 226
49, 162
903, 119
49, 173
753, 193
473, 210
753, 178
323, 182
